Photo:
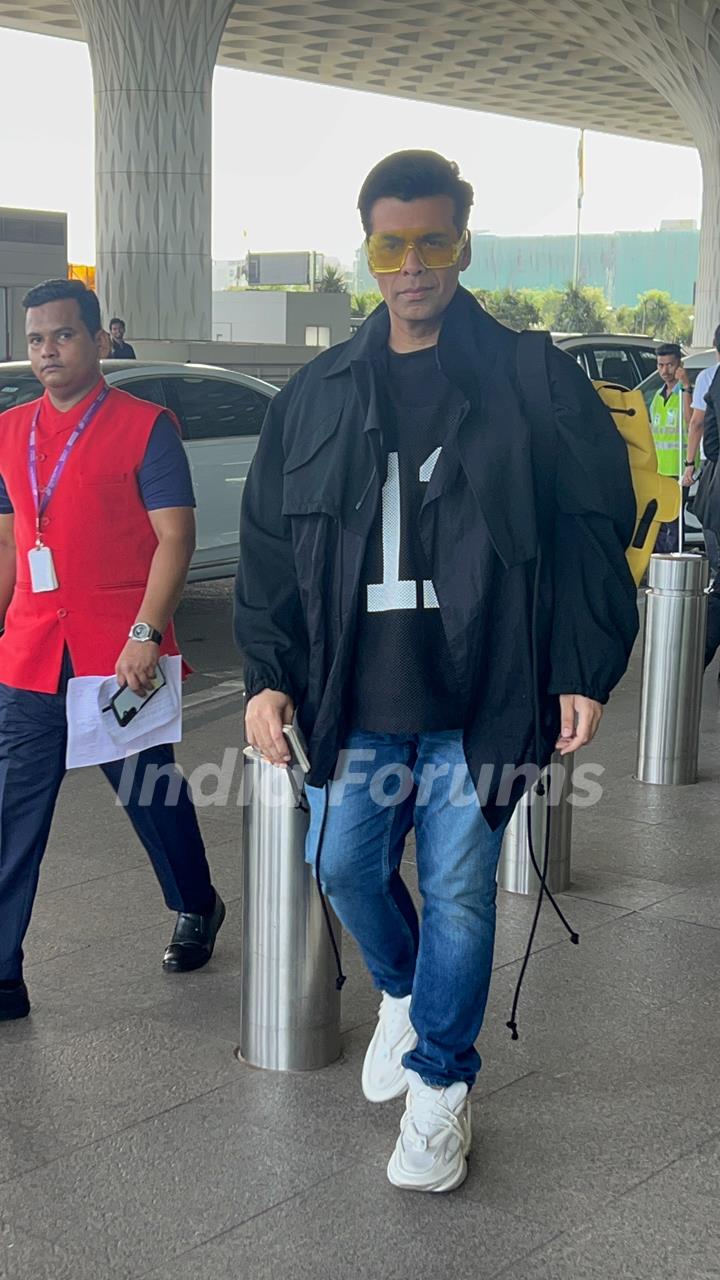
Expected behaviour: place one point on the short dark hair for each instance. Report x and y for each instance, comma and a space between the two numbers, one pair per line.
669, 349
410, 175
716, 339
58, 290
117, 320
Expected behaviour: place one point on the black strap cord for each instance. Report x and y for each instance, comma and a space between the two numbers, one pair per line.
533, 380
544, 890
341, 977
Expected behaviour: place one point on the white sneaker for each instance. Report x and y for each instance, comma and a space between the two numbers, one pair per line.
383, 1074
435, 1137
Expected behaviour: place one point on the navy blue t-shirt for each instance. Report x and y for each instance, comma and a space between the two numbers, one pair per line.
164, 477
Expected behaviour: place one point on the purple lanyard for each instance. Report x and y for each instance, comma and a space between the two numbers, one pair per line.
41, 505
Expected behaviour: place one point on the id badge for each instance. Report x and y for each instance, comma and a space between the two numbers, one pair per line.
42, 570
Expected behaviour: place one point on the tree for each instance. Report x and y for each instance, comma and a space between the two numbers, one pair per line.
626, 320
548, 303
658, 316
513, 307
331, 281
655, 313
682, 321
362, 304
582, 310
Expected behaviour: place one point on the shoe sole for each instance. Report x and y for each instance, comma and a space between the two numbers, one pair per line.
191, 968
407, 1183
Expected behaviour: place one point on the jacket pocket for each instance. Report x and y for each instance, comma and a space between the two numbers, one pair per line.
310, 481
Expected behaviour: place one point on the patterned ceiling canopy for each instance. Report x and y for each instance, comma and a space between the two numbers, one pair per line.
562, 61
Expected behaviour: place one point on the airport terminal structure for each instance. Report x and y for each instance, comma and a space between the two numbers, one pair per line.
644, 68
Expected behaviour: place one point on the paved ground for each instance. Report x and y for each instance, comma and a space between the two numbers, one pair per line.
134, 1145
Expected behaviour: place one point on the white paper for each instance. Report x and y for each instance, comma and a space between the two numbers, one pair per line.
94, 735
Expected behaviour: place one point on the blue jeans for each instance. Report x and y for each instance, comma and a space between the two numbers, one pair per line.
446, 962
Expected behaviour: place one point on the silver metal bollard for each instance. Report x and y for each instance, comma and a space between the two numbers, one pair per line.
515, 870
290, 1011
673, 659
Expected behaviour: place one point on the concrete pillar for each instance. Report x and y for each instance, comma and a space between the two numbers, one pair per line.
707, 292
153, 63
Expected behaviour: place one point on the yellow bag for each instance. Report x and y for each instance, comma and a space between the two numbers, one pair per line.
657, 497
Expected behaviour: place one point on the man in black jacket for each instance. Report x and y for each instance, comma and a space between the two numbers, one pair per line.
711, 520
434, 579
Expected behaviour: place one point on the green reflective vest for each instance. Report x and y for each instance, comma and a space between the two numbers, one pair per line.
665, 417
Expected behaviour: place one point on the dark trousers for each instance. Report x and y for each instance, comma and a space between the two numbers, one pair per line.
33, 734
712, 635
668, 539
712, 551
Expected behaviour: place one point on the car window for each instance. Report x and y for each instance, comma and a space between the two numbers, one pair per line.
614, 365
584, 357
151, 389
647, 360
209, 408
19, 390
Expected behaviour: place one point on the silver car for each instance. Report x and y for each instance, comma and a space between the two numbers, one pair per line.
220, 414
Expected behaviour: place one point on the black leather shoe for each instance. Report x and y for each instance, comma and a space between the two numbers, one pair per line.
191, 945
14, 1001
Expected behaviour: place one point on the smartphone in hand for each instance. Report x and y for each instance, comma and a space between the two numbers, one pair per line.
126, 704
296, 743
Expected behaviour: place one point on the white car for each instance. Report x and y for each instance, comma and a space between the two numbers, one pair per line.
220, 414
625, 358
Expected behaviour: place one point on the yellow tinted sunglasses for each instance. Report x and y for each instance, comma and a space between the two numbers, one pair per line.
387, 250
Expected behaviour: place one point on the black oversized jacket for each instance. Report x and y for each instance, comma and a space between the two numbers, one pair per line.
559, 615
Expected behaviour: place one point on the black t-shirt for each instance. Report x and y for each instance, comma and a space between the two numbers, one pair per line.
404, 682
122, 351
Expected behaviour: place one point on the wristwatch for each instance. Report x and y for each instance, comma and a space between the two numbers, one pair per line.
143, 632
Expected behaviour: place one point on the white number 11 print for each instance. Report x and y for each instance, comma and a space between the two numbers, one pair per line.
394, 592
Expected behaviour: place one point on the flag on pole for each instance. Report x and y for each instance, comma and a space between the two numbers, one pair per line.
581, 193
581, 167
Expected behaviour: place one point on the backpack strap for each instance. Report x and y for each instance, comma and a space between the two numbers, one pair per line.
533, 379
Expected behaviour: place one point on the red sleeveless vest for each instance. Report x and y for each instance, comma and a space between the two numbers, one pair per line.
101, 539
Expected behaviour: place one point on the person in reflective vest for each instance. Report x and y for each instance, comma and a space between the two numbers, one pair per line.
670, 406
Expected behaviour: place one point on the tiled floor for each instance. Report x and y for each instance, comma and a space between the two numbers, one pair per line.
134, 1145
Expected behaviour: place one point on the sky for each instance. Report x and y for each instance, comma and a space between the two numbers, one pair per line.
289, 159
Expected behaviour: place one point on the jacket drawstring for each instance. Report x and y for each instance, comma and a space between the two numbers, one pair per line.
540, 791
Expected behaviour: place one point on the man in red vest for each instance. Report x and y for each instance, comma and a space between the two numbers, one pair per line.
97, 529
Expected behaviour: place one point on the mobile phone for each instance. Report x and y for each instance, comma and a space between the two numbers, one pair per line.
126, 703
297, 746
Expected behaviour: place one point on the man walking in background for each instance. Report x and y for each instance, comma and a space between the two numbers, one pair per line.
669, 418
696, 431
120, 350
440, 592
96, 534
